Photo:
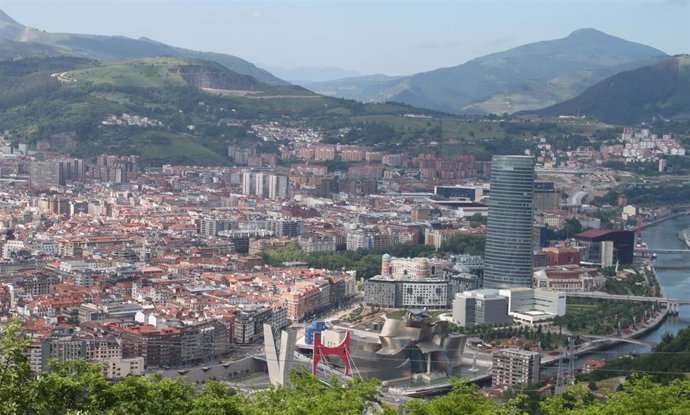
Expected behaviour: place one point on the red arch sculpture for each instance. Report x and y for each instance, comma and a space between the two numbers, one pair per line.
342, 350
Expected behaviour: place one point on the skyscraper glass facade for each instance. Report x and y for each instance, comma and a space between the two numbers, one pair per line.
508, 253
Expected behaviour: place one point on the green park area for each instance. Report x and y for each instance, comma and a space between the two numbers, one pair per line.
599, 317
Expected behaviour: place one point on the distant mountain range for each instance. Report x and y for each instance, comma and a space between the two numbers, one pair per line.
527, 77
18, 40
586, 73
310, 74
660, 90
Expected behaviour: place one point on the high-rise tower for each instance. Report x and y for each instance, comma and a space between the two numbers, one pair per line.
508, 252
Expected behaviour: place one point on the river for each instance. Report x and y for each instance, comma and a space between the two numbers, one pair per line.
675, 282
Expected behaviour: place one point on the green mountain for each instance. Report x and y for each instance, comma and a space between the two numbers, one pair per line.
17, 40
10, 49
660, 90
198, 108
531, 76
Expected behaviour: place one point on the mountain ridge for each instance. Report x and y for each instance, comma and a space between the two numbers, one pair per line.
310, 74
630, 97
120, 48
6, 18
529, 76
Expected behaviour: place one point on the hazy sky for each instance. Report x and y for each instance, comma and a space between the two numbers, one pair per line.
386, 36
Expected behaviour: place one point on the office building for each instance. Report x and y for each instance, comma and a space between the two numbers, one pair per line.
249, 321
508, 252
605, 247
534, 305
471, 193
562, 255
417, 283
284, 228
277, 186
316, 243
210, 226
388, 292
515, 367
569, 278
485, 306
263, 184
57, 172
546, 196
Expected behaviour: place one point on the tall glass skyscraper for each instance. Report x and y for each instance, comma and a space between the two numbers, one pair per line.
508, 253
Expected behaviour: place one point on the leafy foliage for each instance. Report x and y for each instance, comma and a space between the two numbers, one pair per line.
650, 194
571, 227
368, 263
14, 370
463, 399
597, 317
491, 332
464, 244
639, 396
77, 387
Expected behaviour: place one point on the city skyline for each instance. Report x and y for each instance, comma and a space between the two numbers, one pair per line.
368, 37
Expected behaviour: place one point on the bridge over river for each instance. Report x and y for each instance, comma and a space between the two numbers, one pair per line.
647, 251
604, 339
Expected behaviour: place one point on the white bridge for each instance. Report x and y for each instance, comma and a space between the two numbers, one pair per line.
603, 339
662, 251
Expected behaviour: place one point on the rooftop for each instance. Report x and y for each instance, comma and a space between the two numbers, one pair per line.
597, 233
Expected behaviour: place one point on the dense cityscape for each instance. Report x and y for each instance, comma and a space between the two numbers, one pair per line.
231, 245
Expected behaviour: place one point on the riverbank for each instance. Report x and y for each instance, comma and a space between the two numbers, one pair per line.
590, 347
665, 218
648, 327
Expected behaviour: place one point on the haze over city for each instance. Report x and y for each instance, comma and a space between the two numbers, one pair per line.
389, 37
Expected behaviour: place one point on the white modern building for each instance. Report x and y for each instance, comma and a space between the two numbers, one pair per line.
264, 184
533, 305
485, 306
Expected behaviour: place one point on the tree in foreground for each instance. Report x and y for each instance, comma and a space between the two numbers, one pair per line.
76, 387
464, 398
305, 394
640, 396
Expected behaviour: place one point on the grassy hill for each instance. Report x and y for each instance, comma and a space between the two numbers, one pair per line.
10, 49
203, 107
531, 76
17, 40
44, 96
164, 71
661, 90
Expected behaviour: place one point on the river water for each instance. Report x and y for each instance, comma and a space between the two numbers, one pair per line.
673, 278
675, 282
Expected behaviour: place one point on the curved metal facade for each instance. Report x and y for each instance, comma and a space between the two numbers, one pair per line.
508, 253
